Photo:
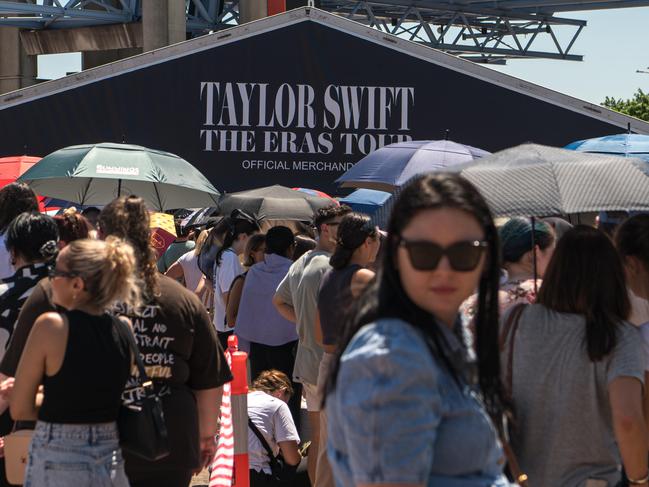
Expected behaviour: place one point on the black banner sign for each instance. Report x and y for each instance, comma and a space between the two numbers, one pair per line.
296, 106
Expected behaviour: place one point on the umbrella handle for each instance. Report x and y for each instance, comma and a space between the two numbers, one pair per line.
534, 269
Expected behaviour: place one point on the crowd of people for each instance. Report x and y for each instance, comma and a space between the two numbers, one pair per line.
446, 350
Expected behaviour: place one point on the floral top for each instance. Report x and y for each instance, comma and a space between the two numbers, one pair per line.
511, 293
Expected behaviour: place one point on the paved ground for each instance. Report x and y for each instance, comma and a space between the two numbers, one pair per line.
200, 479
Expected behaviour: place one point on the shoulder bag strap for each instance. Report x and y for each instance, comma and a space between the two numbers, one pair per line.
261, 438
509, 333
126, 332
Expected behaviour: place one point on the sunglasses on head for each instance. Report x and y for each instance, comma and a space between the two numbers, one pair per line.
54, 272
462, 256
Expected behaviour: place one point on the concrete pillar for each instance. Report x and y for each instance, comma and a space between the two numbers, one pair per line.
163, 23
177, 21
92, 59
17, 69
250, 10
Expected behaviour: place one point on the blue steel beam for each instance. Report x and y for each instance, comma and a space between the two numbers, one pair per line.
45, 12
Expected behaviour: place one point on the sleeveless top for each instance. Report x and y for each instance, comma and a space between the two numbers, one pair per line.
88, 387
334, 301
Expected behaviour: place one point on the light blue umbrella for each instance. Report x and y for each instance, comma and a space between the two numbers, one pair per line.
366, 201
625, 145
390, 167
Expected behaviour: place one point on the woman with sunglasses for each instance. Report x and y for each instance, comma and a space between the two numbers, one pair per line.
83, 362
406, 406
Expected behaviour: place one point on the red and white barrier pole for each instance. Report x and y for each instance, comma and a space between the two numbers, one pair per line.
230, 467
239, 369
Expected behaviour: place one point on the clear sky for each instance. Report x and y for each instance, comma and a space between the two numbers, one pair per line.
614, 44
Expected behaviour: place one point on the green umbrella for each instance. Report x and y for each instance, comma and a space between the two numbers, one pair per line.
95, 174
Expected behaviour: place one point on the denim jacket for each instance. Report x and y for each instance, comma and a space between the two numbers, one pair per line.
398, 416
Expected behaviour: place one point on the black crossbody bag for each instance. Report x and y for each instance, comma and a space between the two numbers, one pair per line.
281, 471
142, 427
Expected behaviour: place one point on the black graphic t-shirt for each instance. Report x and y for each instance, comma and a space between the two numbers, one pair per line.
181, 353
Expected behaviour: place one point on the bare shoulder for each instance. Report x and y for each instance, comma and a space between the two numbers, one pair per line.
362, 277
50, 326
360, 280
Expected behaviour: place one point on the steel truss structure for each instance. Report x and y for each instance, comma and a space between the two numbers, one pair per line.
485, 31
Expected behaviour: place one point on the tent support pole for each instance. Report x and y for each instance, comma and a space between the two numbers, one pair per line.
534, 269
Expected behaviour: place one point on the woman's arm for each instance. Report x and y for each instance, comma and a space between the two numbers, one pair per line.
285, 310
43, 354
208, 404
233, 300
625, 397
290, 452
175, 271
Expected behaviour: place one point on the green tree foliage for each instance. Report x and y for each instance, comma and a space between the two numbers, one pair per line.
638, 106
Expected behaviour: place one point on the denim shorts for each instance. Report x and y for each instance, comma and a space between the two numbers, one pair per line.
75, 455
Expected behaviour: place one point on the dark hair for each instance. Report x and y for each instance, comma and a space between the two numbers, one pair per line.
632, 238
386, 297
255, 242
324, 215
15, 198
353, 230
91, 210
303, 244
72, 226
127, 217
516, 237
33, 236
238, 223
585, 276
279, 240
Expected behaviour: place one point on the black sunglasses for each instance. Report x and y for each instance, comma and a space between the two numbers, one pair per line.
462, 256
54, 272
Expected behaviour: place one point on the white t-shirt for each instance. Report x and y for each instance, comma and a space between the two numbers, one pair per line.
6, 269
273, 419
224, 274
193, 275
639, 309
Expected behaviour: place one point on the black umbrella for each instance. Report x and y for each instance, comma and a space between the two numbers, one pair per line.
274, 203
538, 180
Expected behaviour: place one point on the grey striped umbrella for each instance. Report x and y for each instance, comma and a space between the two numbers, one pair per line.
536, 180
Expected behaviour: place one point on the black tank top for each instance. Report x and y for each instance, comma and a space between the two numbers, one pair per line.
89, 385
334, 301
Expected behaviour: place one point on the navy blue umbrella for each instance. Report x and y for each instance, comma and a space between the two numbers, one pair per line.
390, 167
625, 145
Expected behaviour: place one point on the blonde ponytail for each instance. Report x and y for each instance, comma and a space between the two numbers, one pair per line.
108, 269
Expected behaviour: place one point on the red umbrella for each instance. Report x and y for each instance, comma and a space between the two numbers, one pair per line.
11, 168
315, 192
